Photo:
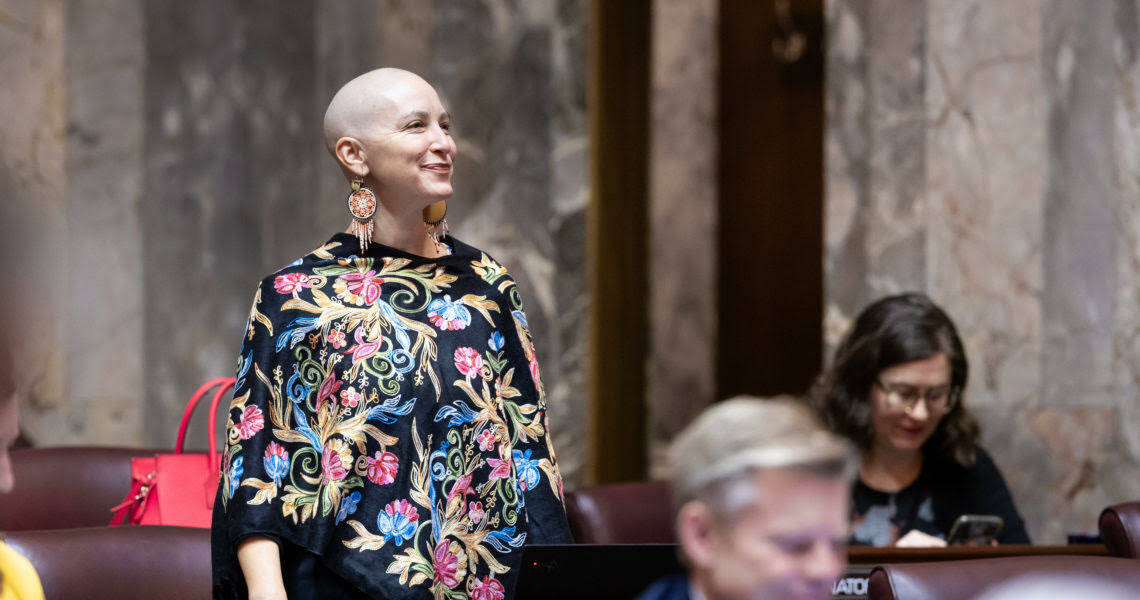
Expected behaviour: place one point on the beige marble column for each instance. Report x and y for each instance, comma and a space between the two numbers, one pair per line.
33, 183
681, 370
104, 303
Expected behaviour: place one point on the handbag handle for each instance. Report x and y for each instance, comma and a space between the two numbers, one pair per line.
224, 384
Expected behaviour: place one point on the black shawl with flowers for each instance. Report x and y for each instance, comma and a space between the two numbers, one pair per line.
389, 422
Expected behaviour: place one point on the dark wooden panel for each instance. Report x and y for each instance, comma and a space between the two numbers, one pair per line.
617, 239
771, 200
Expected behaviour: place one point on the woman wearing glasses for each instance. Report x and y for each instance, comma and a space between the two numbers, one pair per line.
895, 388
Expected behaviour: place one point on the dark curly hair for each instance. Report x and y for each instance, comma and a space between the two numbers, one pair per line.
889, 332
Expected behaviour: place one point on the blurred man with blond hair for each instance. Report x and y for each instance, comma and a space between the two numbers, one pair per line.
761, 493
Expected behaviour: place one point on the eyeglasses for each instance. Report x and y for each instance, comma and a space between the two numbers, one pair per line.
939, 399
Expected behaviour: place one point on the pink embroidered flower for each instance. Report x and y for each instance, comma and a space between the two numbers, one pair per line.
533, 364
290, 282
252, 420
336, 338
534, 373
402, 507
475, 511
501, 467
488, 588
328, 389
461, 488
334, 459
363, 349
350, 397
468, 361
486, 440
382, 468
359, 288
447, 563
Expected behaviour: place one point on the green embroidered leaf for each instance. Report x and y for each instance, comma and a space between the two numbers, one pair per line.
333, 271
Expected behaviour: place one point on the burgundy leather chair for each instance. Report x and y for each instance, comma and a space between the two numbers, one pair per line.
64, 487
120, 563
965, 579
1120, 529
623, 513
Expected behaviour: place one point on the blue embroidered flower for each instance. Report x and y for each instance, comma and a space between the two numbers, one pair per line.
347, 506
398, 521
448, 315
527, 470
496, 342
236, 471
276, 462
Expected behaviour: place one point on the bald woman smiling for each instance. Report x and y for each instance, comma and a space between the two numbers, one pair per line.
388, 435
388, 129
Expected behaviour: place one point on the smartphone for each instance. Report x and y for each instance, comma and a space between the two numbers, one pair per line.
975, 530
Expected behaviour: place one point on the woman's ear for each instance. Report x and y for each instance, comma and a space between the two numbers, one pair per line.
350, 154
695, 531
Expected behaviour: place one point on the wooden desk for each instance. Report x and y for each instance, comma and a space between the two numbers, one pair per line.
563, 571
869, 555
861, 559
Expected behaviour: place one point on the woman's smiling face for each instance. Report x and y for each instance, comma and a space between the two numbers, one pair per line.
408, 148
904, 428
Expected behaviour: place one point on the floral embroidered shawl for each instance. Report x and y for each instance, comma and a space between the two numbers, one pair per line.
389, 418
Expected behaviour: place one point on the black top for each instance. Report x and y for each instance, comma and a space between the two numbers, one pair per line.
943, 491
388, 429
670, 587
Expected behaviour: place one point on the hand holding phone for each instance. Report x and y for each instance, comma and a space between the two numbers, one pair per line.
975, 530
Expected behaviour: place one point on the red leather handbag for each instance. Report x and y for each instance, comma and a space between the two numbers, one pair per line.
178, 488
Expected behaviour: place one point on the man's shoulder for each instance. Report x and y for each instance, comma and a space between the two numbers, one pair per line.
672, 587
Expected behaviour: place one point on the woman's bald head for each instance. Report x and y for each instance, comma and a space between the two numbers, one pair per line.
360, 103
389, 127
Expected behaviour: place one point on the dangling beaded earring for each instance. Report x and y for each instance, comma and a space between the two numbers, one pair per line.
362, 205
435, 219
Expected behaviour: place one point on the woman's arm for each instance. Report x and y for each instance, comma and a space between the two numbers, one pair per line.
994, 498
260, 561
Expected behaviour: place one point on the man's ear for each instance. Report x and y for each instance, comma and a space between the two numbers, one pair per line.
349, 152
695, 530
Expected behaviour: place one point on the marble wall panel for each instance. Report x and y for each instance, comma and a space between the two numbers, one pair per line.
32, 191
1081, 209
681, 369
104, 96
985, 179
1126, 318
1027, 219
229, 188
874, 156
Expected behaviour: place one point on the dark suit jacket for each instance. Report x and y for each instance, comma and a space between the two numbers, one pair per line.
672, 587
